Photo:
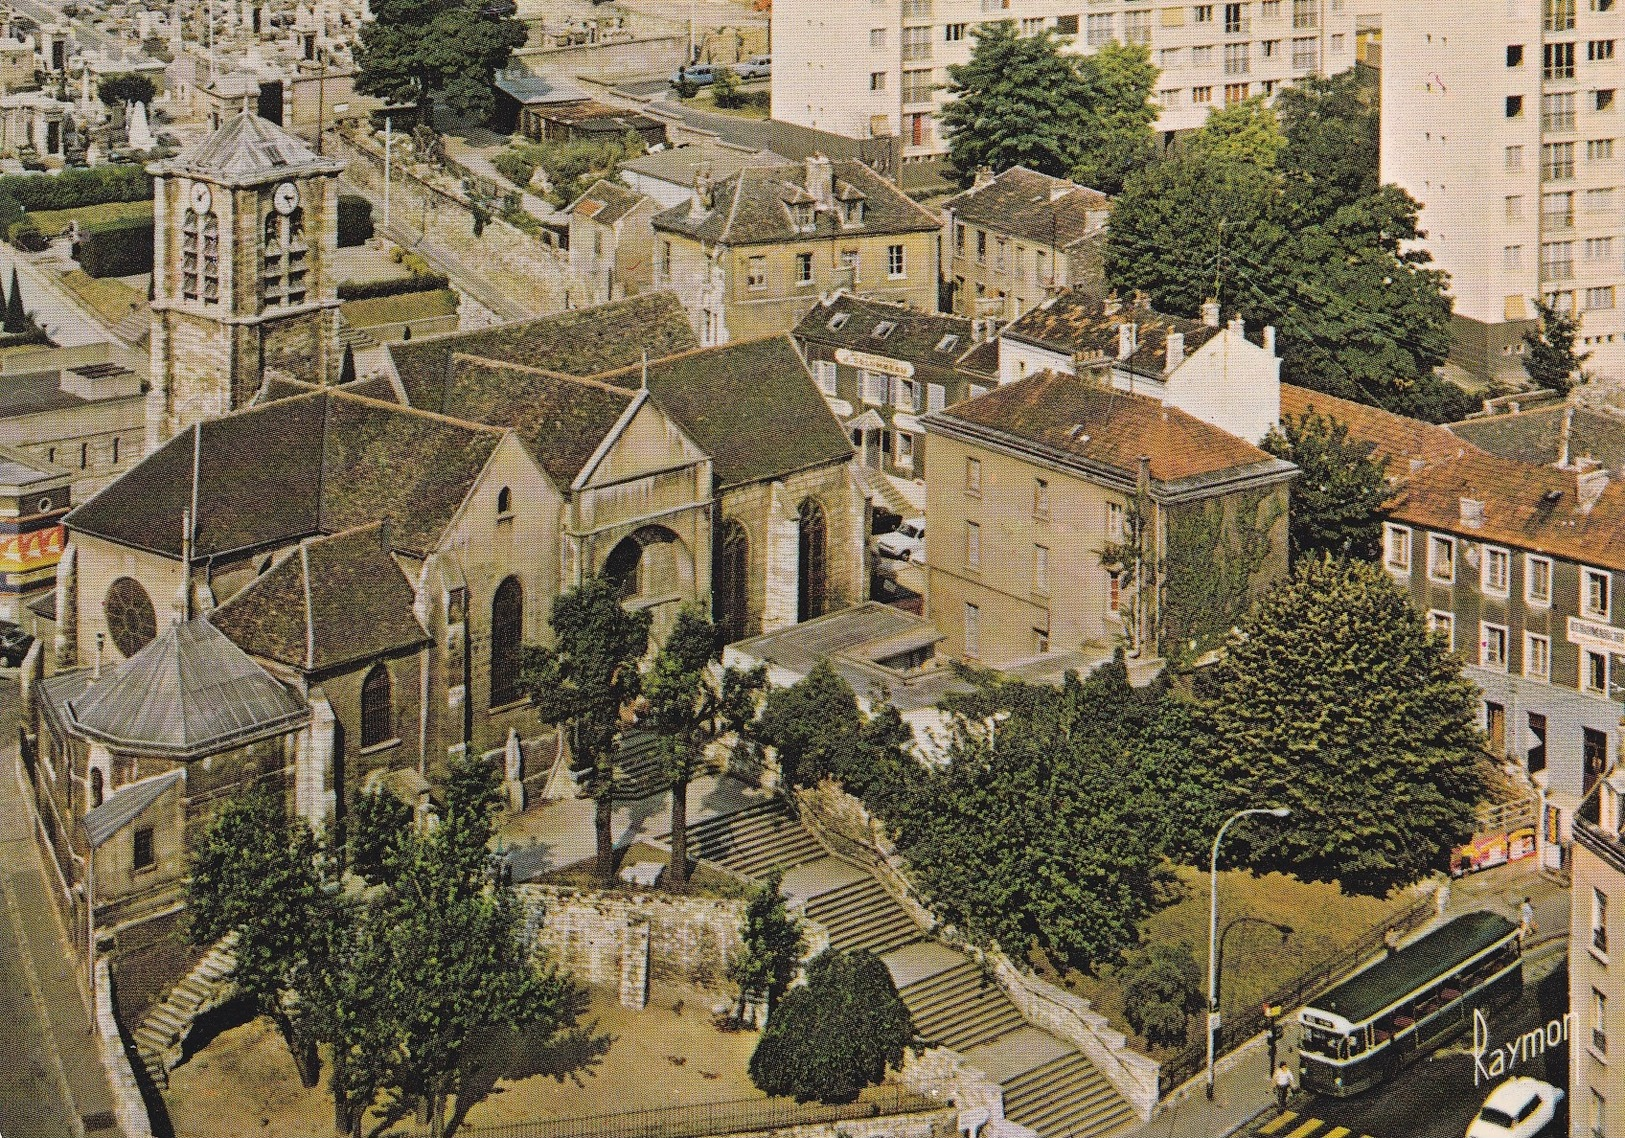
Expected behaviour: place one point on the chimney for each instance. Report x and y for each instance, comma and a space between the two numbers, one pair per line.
1238, 326
96, 669
1563, 436
984, 178
1590, 482
1269, 338
1472, 513
1112, 305
1126, 339
703, 194
821, 181
1176, 350
386, 535
1210, 313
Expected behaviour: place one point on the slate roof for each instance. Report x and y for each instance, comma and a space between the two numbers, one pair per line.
1077, 322
605, 202
124, 806
751, 405
679, 164
189, 693
918, 337
1536, 435
332, 601
311, 464
753, 207
1072, 420
245, 150
792, 140
1022, 203
582, 341
1402, 440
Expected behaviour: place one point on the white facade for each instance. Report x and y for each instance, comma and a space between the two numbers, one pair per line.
867, 67
1500, 117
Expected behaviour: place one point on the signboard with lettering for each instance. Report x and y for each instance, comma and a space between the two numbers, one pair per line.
1590, 634
24, 551
885, 365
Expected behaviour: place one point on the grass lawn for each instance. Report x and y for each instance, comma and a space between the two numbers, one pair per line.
399, 309
53, 221
749, 109
109, 297
1256, 961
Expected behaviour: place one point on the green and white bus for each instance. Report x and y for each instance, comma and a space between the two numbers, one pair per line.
1358, 1033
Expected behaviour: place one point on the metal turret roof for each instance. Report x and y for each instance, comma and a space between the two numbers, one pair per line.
247, 150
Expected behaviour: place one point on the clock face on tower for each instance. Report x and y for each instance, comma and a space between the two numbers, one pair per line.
286, 198
202, 199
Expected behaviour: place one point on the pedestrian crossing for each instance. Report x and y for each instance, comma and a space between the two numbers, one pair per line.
1289, 1124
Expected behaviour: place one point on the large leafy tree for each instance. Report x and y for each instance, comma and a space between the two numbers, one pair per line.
1550, 358
1331, 158
589, 679
1335, 700
771, 942
1115, 116
835, 1036
415, 50
1015, 103
125, 87
1336, 496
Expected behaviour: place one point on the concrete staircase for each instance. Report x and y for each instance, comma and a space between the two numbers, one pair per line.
160, 1038
356, 339
1048, 1084
637, 767
882, 491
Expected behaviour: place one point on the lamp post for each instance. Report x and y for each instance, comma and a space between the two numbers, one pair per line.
1213, 932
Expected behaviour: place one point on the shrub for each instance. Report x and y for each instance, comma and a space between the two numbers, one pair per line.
25, 235
96, 185
830, 1039
116, 248
515, 167
355, 220
771, 944
400, 286
1161, 986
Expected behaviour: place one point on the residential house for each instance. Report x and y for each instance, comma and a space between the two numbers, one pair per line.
611, 243
1596, 996
668, 175
751, 255
1065, 514
1014, 239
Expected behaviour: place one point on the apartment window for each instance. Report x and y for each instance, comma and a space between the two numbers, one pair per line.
1599, 299
1557, 210
824, 372
1203, 14
1238, 58
1600, 150
953, 33
877, 80
1536, 756
1537, 580
84, 455
1514, 106
1305, 55
1515, 55
1602, 100
959, 238
115, 452
1557, 61
1397, 547
1114, 592
804, 268
877, 37
1271, 9
1537, 656
1599, 920
1514, 161
1202, 56
1557, 161
1235, 19
1514, 206
1556, 260
917, 9
1269, 49
1598, 201
1594, 590
875, 387
905, 396
1492, 646
1557, 111
917, 87
1444, 624
851, 260
1000, 251
973, 476
1496, 571
916, 44
1040, 569
1305, 15
1167, 57
1512, 257
1562, 301
1442, 559
936, 397
1339, 44
1040, 498
756, 273
1557, 15
1114, 521
141, 855
1201, 94
904, 453
973, 630
894, 261
1594, 672
1098, 29
1599, 1105
1032, 25
1599, 50
1040, 641
1599, 1022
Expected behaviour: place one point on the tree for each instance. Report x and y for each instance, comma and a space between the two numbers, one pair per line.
125, 87
814, 725
725, 88
1248, 131
1335, 499
1331, 158
1161, 987
689, 710
1115, 115
1335, 701
1550, 360
16, 319
414, 50
378, 824
1015, 103
771, 944
835, 1036
588, 680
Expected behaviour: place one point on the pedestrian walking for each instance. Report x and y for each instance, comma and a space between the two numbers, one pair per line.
1526, 920
1283, 1083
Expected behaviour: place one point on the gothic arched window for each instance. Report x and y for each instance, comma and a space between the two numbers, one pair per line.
377, 711
507, 632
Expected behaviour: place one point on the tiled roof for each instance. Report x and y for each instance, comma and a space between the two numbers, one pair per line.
1536, 435
929, 340
753, 207
1401, 439
1035, 207
982, 360
1077, 322
606, 202
679, 164
582, 341
189, 693
751, 405
1065, 418
330, 602
248, 149
310, 464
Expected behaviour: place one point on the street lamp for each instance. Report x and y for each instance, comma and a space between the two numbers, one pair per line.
1213, 932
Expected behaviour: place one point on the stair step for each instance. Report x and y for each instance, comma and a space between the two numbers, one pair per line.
1065, 1097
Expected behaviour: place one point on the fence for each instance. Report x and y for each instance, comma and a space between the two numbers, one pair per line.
1241, 1026
739, 1117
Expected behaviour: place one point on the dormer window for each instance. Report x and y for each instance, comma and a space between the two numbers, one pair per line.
948, 343
884, 329
852, 213
838, 321
802, 213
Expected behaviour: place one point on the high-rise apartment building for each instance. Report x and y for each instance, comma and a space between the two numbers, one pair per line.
1501, 119
870, 67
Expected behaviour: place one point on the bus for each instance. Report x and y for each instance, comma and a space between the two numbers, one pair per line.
1358, 1033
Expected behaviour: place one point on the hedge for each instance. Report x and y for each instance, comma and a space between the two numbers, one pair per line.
116, 248
399, 286
355, 220
95, 185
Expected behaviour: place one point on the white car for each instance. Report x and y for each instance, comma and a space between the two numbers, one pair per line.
756, 67
905, 543
1519, 1108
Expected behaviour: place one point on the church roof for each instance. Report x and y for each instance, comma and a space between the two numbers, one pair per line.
125, 806
247, 150
189, 693
331, 602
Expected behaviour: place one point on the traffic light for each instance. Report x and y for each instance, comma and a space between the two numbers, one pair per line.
1272, 1029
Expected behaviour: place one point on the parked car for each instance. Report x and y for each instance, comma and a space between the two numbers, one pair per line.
14, 644
905, 543
1521, 1107
703, 74
756, 67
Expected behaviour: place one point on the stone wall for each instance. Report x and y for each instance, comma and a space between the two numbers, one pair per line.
128, 1106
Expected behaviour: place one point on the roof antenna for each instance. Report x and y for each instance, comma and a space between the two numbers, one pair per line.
1218, 266
645, 369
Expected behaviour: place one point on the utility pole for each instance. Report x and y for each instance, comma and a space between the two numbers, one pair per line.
389, 140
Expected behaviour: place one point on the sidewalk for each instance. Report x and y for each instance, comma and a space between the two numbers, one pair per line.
1242, 1089
66, 1041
